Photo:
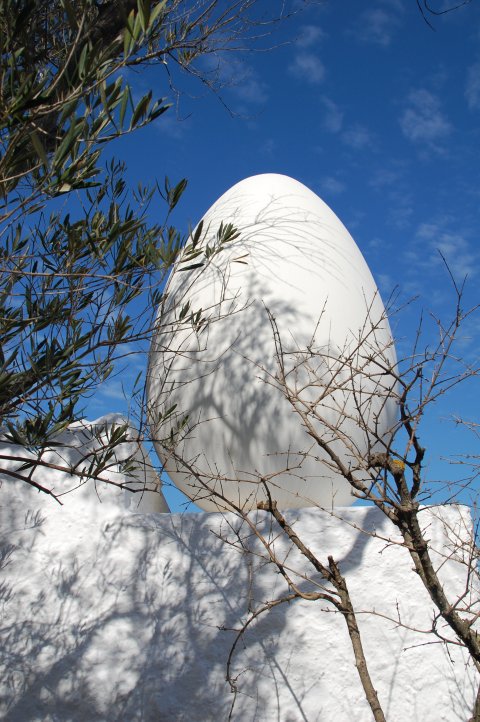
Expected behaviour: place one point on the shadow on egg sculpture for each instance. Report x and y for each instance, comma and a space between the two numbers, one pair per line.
279, 332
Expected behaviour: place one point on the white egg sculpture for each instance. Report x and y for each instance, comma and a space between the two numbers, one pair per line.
279, 333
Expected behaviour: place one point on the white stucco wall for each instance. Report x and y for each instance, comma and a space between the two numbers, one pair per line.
74, 451
120, 616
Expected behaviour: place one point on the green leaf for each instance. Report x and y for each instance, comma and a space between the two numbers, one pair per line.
159, 8
191, 267
175, 194
141, 109
184, 311
126, 96
198, 232
67, 143
39, 148
143, 12
82, 61
128, 38
137, 28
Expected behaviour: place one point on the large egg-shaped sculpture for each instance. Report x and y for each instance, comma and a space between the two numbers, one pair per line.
270, 369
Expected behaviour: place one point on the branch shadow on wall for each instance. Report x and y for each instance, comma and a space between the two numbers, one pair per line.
132, 620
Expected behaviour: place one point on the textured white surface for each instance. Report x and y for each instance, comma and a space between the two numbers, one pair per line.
112, 616
74, 451
298, 261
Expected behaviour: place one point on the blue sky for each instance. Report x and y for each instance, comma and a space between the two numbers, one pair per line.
380, 116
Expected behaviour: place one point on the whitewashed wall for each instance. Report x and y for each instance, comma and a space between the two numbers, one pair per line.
112, 615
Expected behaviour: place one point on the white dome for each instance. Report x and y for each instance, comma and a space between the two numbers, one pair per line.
296, 263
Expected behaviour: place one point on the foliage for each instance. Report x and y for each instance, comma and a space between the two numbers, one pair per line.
81, 264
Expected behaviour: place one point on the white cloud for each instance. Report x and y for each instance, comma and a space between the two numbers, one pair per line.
454, 246
309, 35
332, 185
308, 67
428, 231
171, 124
357, 137
472, 87
376, 26
269, 147
383, 178
456, 250
395, 4
333, 116
237, 77
385, 283
401, 211
113, 390
423, 120
251, 89
245, 83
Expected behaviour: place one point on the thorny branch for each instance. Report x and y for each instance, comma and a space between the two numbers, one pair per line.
341, 601
390, 474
